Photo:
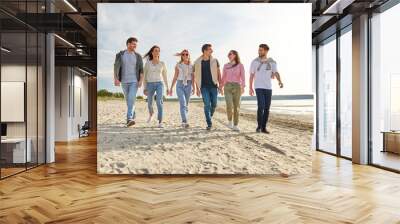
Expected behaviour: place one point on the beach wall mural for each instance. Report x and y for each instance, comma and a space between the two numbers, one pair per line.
184, 93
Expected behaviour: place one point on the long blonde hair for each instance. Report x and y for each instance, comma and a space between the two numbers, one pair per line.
181, 55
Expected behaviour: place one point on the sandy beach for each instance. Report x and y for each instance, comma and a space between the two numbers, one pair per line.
146, 149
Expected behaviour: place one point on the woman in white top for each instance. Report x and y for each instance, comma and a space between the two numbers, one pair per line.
155, 72
184, 85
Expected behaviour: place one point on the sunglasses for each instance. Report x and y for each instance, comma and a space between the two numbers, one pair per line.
185, 54
230, 54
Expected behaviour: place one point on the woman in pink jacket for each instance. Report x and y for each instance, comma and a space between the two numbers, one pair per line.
233, 83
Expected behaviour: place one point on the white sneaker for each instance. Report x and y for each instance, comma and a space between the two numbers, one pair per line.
150, 119
230, 124
236, 128
160, 125
185, 125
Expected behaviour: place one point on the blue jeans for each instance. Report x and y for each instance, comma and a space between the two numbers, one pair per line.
210, 95
263, 104
183, 92
158, 89
130, 90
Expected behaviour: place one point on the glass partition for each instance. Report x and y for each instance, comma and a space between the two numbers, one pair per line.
327, 96
346, 94
385, 89
22, 77
13, 95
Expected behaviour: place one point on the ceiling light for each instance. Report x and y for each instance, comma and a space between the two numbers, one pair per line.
5, 50
70, 5
65, 41
338, 6
84, 71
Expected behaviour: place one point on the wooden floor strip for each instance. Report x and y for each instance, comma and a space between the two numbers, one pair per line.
70, 191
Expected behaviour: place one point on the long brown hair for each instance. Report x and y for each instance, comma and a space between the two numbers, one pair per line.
237, 57
149, 54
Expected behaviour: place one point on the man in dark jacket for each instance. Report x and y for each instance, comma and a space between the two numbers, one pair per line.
128, 73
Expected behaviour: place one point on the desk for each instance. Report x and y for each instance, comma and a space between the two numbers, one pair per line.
391, 141
15, 148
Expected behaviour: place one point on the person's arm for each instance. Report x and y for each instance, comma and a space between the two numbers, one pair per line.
223, 78
193, 84
242, 78
251, 80
116, 71
145, 74
219, 78
278, 78
141, 75
174, 80
164, 75
196, 87
276, 74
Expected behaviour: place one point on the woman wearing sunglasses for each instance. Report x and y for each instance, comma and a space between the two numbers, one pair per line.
184, 85
233, 83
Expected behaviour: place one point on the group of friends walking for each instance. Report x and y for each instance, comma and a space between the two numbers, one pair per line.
202, 77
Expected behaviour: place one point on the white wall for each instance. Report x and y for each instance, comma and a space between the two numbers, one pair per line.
70, 83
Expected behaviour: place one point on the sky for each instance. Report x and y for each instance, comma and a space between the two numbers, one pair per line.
286, 28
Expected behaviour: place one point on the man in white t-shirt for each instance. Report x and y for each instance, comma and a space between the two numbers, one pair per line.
262, 71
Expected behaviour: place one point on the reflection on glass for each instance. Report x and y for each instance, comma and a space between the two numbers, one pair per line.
41, 98
22, 91
31, 97
346, 94
385, 84
327, 97
395, 102
14, 153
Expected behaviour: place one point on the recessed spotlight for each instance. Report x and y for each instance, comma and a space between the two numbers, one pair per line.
70, 5
64, 40
5, 50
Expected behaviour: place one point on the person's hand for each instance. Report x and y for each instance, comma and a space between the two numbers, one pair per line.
251, 92
241, 90
221, 90
198, 92
193, 91
169, 93
145, 92
273, 76
280, 85
117, 82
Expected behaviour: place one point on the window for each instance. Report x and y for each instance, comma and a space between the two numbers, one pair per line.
327, 96
385, 89
346, 93
23, 77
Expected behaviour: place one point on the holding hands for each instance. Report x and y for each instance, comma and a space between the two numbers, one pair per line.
221, 90
251, 91
169, 92
117, 82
